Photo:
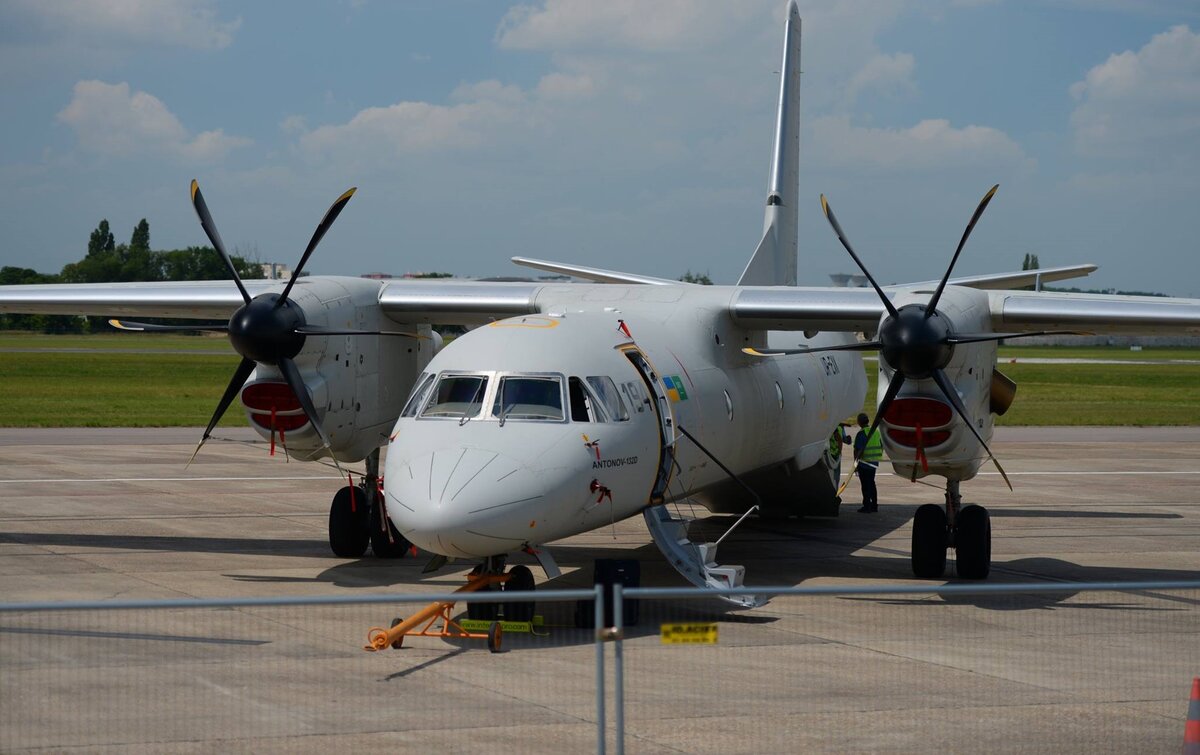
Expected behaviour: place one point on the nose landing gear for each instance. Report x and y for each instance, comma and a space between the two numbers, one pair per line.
968, 531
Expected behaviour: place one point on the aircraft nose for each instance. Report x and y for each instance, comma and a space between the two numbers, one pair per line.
463, 501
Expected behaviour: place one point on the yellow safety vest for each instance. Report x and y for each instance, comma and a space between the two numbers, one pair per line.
874, 448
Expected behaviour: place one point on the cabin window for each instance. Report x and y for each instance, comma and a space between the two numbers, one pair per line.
522, 397
608, 397
417, 397
459, 396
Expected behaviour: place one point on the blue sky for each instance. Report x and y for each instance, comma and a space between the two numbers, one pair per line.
629, 135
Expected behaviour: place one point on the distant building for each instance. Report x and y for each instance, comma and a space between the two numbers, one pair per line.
377, 276
276, 271
846, 280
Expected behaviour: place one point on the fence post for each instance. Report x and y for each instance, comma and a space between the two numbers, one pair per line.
618, 618
599, 639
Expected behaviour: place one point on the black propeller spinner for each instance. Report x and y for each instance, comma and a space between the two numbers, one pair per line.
916, 341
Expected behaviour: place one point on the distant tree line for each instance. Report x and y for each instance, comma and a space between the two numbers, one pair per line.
109, 262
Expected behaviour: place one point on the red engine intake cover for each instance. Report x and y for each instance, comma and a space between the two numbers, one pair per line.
911, 411
284, 422
268, 397
909, 437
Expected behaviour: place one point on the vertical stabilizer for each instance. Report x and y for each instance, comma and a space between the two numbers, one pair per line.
774, 261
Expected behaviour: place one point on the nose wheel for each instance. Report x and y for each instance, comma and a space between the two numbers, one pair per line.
968, 531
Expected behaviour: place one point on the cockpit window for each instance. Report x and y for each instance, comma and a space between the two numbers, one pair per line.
523, 397
584, 408
417, 397
458, 396
605, 391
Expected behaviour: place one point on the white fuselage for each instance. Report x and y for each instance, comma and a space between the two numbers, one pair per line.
474, 470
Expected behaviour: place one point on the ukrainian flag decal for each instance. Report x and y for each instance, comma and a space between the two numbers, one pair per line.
675, 389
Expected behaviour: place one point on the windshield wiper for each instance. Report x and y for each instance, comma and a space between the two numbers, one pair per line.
466, 415
504, 413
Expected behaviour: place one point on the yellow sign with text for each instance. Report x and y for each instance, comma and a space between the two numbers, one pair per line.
694, 633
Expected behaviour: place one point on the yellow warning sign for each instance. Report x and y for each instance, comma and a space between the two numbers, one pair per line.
694, 633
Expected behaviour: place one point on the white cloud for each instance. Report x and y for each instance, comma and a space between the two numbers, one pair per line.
886, 74
929, 145
408, 127
1143, 104
115, 23
109, 119
574, 24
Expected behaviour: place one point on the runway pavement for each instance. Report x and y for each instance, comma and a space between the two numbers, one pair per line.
112, 514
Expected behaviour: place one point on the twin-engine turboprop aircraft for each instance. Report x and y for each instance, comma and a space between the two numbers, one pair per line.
571, 406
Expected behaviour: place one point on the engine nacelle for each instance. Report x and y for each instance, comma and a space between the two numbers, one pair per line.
358, 384
920, 422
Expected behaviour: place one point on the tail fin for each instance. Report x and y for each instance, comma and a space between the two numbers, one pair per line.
774, 261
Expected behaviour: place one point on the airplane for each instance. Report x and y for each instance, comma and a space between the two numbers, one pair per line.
570, 406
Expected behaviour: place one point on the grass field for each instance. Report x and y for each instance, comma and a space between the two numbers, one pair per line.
106, 387
113, 390
116, 341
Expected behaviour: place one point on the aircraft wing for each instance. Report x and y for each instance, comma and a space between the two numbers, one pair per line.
859, 309
754, 307
201, 300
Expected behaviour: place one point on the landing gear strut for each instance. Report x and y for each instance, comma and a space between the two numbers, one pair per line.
967, 529
358, 516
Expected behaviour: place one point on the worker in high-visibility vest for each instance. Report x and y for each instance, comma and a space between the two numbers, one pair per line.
869, 452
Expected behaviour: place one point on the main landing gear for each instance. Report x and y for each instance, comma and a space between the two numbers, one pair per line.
967, 529
358, 517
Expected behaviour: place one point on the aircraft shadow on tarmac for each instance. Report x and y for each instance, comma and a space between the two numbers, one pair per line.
774, 552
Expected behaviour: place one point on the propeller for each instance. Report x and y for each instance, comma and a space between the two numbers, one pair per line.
268, 329
916, 341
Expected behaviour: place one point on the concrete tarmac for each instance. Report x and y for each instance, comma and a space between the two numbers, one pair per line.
95, 514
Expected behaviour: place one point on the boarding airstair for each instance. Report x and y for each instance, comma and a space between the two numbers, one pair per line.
697, 562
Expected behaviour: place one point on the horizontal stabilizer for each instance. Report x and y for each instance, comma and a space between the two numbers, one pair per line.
1014, 280
595, 274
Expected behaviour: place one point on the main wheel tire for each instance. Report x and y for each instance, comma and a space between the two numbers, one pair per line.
482, 611
348, 535
973, 543
495, 636
383, 547
929, 541
520, 579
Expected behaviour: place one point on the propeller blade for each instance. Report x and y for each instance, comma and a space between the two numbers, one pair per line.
206, 222
316, 330
837, 228
937, 295
235, 384
947, 387
291, 374
863, 346
146, 327
888, 396
957, 338
331, 214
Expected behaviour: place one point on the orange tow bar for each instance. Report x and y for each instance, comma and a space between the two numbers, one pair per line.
379, 638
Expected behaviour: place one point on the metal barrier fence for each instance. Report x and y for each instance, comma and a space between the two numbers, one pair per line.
1068, 667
